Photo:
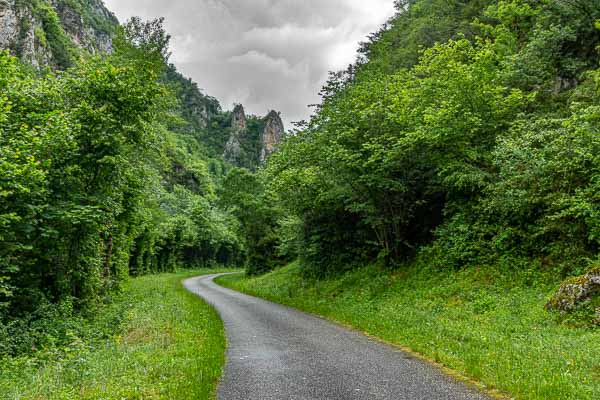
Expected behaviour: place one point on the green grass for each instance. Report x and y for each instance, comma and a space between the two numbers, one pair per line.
490, 328
166, 344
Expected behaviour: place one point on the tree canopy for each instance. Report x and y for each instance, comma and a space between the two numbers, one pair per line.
466, 131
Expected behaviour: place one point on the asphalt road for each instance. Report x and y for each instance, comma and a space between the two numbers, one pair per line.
275, 352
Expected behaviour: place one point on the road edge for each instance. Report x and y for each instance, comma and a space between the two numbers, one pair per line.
493, 393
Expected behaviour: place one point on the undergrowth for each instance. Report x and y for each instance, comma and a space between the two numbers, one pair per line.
154, 341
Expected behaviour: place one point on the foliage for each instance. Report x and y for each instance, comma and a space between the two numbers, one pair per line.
197, 110
419, 25
147, 39
89, 182
111, 167
243, 195
467, 131
94, 186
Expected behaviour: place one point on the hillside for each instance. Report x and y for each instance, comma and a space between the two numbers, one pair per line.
56, 33
465, 134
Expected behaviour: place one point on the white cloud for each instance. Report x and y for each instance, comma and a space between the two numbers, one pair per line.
267, 54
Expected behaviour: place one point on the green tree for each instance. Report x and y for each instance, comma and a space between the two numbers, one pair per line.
242, 194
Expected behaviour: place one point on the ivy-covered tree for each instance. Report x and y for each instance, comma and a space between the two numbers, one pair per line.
93, 186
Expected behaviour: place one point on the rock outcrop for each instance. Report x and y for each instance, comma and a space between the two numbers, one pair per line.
272, 135
239, 125
23, 34
201, 115
29, 30
579, 294
81, 33
9, 23
253, 140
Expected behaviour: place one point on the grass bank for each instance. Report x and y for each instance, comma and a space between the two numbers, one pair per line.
486, 326
155, 341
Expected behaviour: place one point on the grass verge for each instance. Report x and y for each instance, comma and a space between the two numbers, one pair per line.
165, 344
488, 327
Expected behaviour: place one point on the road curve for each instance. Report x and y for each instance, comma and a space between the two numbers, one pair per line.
275, 352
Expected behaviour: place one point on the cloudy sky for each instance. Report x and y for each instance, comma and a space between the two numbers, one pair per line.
265, 54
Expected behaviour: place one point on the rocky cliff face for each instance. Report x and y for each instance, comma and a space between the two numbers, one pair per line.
21, 33
90, 27
252, 140
239, 124
202, 116
52, 32
272, 135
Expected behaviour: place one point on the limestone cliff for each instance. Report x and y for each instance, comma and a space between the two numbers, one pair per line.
272, 135
239, 124
21, 33
89, 26
53, 32
252, 139
201, 115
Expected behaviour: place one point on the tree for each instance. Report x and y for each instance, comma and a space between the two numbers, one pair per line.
242, 194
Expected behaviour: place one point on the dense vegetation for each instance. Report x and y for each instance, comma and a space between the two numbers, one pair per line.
465, 136
466, 132
101, 177
111, 165
446, 186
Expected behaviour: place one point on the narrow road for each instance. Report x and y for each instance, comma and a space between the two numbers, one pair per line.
279, 353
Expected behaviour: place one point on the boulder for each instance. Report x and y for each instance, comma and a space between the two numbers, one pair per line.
579, 294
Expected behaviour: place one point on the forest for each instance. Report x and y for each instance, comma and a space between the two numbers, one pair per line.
106, 172
466, 134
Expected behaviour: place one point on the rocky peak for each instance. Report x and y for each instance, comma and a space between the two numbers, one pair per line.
238, 119
272, 135
239, 124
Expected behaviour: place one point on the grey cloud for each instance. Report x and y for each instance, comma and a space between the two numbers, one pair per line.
266, 54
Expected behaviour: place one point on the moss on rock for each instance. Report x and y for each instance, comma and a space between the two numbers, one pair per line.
579, 297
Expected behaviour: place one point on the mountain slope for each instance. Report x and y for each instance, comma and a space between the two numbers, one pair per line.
55, 32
